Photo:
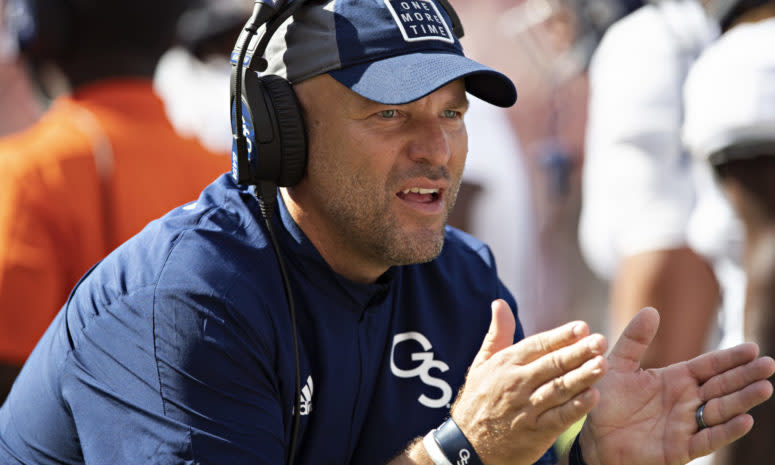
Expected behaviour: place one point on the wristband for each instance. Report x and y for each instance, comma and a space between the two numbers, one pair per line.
454, 444
575, 457
433, 449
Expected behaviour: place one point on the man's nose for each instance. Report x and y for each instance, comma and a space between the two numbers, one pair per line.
430, 142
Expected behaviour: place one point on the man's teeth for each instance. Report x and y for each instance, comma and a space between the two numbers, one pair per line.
420, 190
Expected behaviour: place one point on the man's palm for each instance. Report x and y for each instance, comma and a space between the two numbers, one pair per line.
659, 410
648, 416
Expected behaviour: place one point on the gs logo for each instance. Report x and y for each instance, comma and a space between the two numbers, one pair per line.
423, 369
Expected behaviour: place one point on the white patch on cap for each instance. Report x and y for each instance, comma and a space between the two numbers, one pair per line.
420, 20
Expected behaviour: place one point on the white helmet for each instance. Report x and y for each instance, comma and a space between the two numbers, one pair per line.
730, 96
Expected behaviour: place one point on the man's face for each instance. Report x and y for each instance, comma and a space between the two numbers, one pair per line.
381, 179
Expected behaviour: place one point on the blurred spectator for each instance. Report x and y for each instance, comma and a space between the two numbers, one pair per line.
102, 162
19, 104
652, 225
730, 126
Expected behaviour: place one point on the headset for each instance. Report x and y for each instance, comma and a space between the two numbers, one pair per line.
269, 146
270, 143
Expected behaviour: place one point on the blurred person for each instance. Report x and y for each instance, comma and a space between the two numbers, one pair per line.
651, 223
730, 128
102, 162
182, 345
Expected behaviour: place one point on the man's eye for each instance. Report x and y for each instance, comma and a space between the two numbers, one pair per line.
387, 114
451, 114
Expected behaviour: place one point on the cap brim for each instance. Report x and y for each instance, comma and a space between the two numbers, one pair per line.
406, 78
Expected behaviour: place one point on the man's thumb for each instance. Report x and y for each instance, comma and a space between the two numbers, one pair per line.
501, 332
635, 339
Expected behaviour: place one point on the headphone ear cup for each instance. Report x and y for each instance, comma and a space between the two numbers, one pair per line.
290, 123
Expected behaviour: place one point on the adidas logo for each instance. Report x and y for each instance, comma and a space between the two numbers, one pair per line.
305, 399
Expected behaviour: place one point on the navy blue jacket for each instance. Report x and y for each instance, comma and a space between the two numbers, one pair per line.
177, 349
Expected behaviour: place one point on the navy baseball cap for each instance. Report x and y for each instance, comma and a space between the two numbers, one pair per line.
388, 51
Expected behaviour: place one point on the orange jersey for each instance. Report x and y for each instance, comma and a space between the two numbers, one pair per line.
90, 174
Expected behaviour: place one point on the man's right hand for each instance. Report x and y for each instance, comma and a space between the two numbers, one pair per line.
518, 398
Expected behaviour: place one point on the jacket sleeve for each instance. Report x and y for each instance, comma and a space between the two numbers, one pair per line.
218, 374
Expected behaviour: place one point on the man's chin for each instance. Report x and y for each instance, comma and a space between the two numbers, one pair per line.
416, 251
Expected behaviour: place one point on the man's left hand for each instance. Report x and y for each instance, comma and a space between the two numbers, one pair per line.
649, 417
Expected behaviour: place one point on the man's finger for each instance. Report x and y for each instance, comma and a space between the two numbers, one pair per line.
737, 378
531, 348
706, 366
711, 439
559, 390
722, 409
501, 332
566, 359
563, 416
635, 338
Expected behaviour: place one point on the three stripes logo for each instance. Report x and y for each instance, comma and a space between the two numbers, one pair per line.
305, 399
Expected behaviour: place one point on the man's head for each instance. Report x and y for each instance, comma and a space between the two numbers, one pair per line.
96, 37
382, 88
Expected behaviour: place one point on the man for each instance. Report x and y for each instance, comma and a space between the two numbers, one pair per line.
101, 163
178, 347
730, 128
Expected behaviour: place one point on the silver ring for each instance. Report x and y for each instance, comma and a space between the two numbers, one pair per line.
700, 419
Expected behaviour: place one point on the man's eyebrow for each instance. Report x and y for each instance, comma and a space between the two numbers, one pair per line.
459, 103
362, 103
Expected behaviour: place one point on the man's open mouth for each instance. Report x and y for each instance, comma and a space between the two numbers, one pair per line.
420, 195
